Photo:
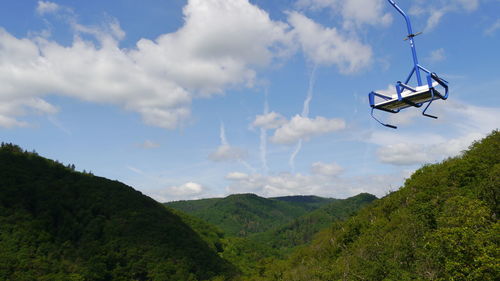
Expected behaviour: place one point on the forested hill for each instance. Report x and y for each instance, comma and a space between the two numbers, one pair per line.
59, 224
302, 229
308, 202
442, 225
244, 214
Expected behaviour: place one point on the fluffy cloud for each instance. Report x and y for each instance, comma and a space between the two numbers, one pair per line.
437, 55
18, 107
327, 46
218, 46
405, 117
357, 12
188, 190
46, 7
270, 120
147, 144
415, 149
236, 176
227, 153
300, 184
492, 28
326, 169
435, 12
416, 154
305, 128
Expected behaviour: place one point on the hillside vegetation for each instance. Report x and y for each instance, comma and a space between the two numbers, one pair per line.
302, 229
245, 214
262, 229
58, 224
442, 225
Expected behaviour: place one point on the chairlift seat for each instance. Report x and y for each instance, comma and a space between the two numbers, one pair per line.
422, 94
408, 96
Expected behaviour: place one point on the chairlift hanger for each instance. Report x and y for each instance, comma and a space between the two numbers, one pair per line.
406, 95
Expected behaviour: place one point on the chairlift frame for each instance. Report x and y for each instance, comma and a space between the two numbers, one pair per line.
408, 96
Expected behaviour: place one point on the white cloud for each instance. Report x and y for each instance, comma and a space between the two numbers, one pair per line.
136, 170
357, 12
148, 144
436, 11
437, 55
326, 169
327, 46
417, 154
227, 153
473, 119
299, 184
218, 43
217, 47
464, 124
405, 117
389, 91
270, 120
8, 122
434, 18
46, 7
236, 176
305, 128
404, 154
492, 28
9, 109
468, 5
188, 190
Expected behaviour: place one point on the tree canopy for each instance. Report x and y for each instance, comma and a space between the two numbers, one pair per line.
59, 224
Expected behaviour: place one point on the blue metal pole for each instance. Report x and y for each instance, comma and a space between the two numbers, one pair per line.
410, 38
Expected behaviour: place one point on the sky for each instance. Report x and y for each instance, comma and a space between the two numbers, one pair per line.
204, 98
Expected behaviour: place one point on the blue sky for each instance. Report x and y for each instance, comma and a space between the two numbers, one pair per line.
204, 98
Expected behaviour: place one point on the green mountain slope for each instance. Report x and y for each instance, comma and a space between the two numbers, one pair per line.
308, 202
253, 252
442, 225
302, 229
211, 234
260, 230
244, 214
58, 224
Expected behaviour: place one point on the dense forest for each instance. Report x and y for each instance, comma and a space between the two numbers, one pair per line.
441, 225
245, 214
257, 230
59, 224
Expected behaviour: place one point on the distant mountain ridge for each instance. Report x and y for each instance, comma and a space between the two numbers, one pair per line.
244, 214
302, 229
310, 202
258, 229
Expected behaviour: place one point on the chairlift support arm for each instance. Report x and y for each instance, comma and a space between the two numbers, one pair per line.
416, 66
409, 96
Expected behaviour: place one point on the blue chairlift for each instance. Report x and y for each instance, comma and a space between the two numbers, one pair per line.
406, 95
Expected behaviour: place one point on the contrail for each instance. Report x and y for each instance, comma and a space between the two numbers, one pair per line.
294, 153
224, 142
305, 113
310, 89
223, 139
263, 137
248, 166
